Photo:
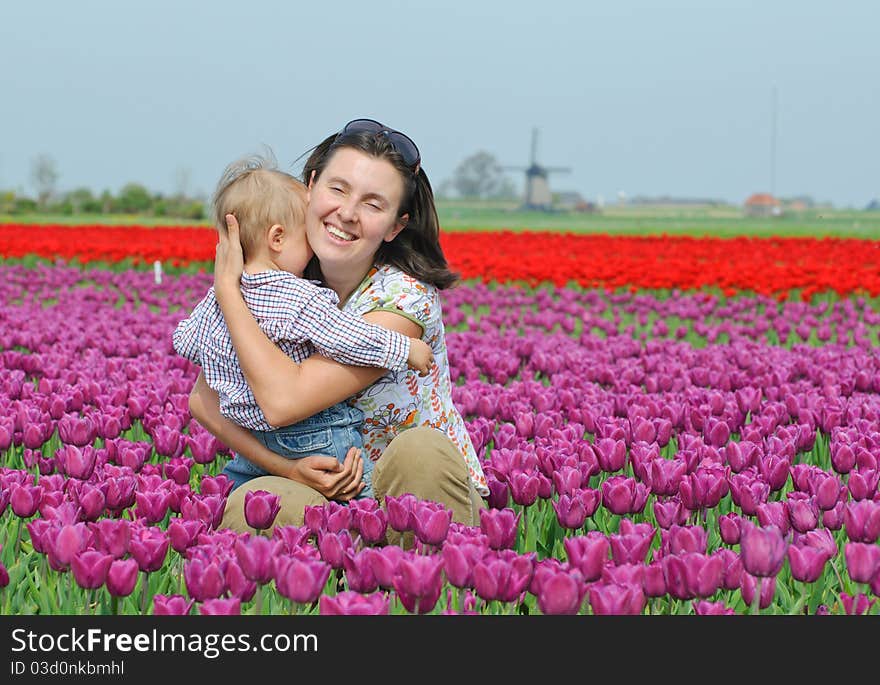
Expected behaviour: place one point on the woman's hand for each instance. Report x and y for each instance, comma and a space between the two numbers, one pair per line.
340, 482
228, 259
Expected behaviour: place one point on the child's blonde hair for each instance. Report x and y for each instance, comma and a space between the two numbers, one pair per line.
259, 195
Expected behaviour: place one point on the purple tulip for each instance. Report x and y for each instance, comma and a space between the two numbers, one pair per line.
333, 546
611, 599
359, 572
499, 493
500, 527
807, 563
833, 519
740, 455
354, 604
704, 488
588, 554
622, 495
255, 556
803, 512
827, 490
863, 484
733, 568
630, 548
683, 539
384, 562
120, 492
183, 533
862, 561
704, 608
338, 517
610, 453
371, 524
220, 607
64, 543
524, 487
149, 547
774, 514
90, 568
669, 512
171, 605
89, 498
748, 493
291, 538
418, 582
301, 580
122, 576
75, 462
749, 587
729, 527
399, 511
562, 593
856, 606
260, 508
762, 549
237, 583
862, 520
820, 539
431, 522
204, 580
843, 458
566, 480
25, 500
76, 430
152, 506
665, 475
112, 536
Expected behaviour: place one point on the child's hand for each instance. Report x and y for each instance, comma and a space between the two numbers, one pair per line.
421, 356
228, 259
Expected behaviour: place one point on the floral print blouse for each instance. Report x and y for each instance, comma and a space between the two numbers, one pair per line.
403, 399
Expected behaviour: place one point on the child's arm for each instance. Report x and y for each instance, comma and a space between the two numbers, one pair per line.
186, 337
322, 473
344, 337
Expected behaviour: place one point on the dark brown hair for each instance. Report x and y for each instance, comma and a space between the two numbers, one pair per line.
416, 250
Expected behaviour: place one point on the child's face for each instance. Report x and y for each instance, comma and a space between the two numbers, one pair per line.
292, 251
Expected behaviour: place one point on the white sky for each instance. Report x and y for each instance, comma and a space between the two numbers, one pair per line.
652, 98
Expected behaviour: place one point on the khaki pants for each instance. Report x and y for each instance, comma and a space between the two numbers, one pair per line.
421, 461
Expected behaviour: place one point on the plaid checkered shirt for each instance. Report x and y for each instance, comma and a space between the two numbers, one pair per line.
298, 316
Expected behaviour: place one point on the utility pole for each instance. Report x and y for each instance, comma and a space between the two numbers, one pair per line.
773, 142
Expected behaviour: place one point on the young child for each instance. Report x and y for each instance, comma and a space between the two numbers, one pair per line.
296, 314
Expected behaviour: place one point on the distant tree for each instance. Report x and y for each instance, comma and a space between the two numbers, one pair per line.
44, 174
478, 176
82, 200
133, 198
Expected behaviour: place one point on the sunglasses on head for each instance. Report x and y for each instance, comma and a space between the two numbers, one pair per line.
402, 143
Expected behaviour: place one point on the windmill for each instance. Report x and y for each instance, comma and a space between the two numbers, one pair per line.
537, 192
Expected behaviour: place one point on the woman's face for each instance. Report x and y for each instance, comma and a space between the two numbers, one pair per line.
353, 209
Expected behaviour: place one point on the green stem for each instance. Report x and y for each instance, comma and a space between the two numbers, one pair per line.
145, 579
756, 601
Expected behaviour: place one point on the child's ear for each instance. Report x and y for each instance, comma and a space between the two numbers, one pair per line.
276, 235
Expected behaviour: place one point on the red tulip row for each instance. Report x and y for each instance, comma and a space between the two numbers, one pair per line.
767, 266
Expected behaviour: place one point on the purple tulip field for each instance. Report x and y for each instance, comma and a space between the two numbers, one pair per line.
648, 452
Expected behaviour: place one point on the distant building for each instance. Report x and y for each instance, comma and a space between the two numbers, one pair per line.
798, 203
762, 204
572, 201
670, 201
873, 206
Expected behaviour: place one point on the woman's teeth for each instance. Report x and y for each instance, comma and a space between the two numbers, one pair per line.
342, 235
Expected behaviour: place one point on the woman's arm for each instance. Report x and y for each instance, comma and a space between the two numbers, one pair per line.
285, 391
321, 473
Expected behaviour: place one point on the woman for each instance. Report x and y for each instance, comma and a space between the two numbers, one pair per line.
373, 226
